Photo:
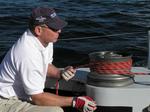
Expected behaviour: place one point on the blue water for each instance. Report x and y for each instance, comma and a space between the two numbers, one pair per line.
101, 20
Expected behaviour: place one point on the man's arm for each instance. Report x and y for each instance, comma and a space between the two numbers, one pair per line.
66, 74
53, 71
82, 103
49, 99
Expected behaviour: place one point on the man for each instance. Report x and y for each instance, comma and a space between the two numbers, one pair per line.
24, 68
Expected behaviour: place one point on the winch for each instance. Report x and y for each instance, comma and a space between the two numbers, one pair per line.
110, 69
113, 83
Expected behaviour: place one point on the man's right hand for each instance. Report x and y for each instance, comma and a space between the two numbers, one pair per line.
68, 73
84, 104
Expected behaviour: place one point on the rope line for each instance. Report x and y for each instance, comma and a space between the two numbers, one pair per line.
93, 37
57, 87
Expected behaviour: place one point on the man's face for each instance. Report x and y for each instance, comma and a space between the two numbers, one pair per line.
47, 35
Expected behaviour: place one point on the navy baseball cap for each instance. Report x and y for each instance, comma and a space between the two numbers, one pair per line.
48, 16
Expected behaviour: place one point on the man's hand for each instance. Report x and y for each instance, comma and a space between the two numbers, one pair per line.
68, 73
84, 104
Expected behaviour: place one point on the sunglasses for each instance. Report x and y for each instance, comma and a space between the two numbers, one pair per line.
45, 26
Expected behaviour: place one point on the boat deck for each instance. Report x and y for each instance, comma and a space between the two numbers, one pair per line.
77, 86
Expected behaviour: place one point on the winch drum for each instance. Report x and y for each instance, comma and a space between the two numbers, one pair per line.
108, 80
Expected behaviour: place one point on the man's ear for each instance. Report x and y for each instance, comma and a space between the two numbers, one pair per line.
38, 30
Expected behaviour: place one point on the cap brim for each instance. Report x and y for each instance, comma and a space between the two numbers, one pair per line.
57, 23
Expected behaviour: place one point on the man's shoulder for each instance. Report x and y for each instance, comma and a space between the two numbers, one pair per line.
25, 42
24, 48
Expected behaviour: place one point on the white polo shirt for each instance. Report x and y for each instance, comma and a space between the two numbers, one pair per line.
24, 68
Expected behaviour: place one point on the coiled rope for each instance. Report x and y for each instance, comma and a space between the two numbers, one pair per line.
110, 67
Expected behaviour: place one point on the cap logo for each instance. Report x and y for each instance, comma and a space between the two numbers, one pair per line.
40, 19
53, 15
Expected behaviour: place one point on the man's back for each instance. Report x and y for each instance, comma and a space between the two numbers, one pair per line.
15, 63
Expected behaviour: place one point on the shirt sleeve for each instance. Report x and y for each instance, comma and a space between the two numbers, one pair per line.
32, 76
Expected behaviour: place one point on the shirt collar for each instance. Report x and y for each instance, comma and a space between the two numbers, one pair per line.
36, 41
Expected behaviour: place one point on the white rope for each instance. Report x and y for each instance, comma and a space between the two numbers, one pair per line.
82, 38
